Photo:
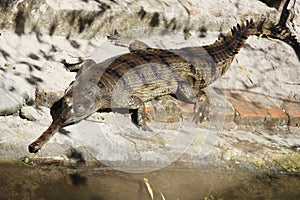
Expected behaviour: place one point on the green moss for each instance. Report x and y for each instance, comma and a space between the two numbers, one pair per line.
290, 162
30, 102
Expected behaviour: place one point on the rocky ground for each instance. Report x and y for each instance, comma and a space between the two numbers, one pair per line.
249, 126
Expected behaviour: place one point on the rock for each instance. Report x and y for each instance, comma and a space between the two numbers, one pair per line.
67, 18
11, 98
29, 113
47, 98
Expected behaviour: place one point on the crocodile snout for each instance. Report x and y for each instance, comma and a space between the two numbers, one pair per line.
34, 147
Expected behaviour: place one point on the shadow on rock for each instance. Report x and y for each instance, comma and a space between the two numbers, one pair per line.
76, 155
20, 21
77, 179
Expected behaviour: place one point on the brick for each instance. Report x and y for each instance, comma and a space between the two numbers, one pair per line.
292, 108
187, 110
221, 108
275, 115
186, 107
255, 109
245, 112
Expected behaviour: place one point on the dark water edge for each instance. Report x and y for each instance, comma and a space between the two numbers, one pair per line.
192, 182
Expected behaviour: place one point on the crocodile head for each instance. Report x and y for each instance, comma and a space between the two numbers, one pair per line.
73, 107
77, 105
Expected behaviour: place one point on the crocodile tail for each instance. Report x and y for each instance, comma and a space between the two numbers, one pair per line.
228, 45
284, 34
225, 48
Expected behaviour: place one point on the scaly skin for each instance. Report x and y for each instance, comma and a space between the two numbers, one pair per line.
129, 80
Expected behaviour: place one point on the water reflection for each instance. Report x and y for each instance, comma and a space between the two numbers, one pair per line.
20, 181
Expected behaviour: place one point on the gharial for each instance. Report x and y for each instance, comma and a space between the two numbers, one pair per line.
130, 79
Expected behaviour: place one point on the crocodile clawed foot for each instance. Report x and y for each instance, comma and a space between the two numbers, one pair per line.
201, 111
114, 36
146, 128
118, 39
201, 115
198, 117
34, 147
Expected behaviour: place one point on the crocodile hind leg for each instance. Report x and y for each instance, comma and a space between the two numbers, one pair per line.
202, 107
200, 100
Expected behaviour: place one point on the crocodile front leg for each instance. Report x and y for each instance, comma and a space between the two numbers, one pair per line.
139, 115
82, 65
132, 44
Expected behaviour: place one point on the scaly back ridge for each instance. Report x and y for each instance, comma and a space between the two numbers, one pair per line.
228, 45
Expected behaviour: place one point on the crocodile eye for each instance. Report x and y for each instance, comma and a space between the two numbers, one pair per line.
67, 100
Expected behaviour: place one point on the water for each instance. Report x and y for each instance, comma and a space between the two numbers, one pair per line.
189, 182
